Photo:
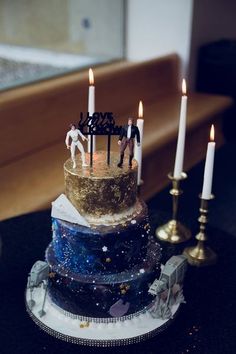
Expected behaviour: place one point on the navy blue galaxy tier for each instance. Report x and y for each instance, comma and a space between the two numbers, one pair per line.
101, 250
103, 272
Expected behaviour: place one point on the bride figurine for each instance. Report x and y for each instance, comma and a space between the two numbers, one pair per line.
74, 134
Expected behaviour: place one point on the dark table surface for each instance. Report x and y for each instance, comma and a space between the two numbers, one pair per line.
205, 324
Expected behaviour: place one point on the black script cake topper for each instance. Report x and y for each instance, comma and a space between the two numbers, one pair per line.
100, 123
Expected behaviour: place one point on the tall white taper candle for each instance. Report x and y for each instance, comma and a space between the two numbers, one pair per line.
138, 149
179, 157
91, 105
209, 165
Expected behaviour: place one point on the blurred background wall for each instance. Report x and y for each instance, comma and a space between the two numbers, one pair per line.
213, 20
118, 29
80, 26
156, 28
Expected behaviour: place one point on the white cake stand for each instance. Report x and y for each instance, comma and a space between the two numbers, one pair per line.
71, 328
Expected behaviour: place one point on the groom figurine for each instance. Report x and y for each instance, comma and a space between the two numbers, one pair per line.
127, 136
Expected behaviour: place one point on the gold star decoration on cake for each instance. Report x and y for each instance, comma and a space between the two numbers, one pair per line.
84, 325
124, 288
51, 275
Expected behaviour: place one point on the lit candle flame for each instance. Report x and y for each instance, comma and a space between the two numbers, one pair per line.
91, 77
212, 133
184, 87
140, 109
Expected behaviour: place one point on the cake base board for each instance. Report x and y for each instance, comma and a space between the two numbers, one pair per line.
69, 329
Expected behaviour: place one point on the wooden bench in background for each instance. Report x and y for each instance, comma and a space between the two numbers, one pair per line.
35, 118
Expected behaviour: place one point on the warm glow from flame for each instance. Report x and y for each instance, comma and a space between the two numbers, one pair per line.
212, 133
184, 88
140, 109
91, 77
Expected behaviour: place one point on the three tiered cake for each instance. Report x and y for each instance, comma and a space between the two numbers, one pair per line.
102, 283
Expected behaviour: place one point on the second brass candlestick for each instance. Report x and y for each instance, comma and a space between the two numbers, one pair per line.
201, 255
174, 231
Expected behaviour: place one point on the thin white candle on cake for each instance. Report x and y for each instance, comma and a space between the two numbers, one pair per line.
209, 165
91, 106
179, 157
138, 149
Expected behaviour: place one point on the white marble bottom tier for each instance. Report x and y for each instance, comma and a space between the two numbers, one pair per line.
63, 326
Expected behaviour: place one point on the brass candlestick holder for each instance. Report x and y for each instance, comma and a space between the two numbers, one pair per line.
201, 255
174, 231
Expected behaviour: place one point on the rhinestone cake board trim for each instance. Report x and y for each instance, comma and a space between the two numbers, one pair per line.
65, 327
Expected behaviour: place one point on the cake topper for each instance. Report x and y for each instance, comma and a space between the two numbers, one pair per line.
128, 133
74, 134
99, 124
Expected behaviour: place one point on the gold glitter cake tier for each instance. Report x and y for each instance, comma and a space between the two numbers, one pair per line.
102, 189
